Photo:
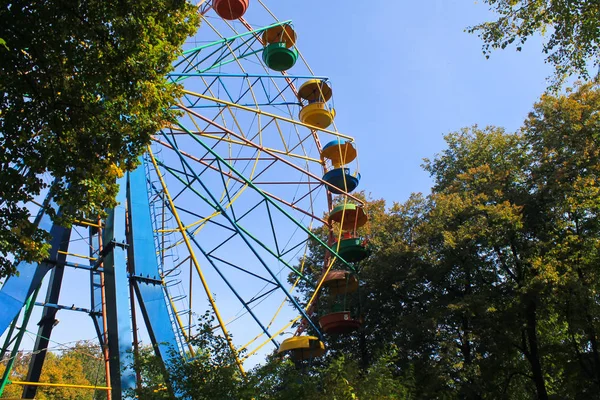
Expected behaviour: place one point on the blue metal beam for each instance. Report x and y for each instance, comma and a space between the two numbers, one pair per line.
68, 308
122, 378
151, 294
95, 285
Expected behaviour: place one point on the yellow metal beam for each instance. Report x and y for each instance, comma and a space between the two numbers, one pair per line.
195, 261
268, 114
65, 385
241, 143
76, 255
87, 223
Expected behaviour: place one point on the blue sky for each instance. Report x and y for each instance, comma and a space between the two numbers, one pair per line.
405, 74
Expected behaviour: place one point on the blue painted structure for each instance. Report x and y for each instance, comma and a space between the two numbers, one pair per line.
116, 283
150, 293
16, 290
48, 319
128, 255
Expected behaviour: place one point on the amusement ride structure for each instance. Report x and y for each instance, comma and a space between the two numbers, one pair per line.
219, 215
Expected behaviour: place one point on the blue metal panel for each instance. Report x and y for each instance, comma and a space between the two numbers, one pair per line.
17, 289
142, 255
117, 298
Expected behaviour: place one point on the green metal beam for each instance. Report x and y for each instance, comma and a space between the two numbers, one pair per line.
28, 309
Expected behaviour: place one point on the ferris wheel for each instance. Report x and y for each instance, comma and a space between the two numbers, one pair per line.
218, 216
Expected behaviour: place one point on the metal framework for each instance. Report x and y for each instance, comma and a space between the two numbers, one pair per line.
224, 202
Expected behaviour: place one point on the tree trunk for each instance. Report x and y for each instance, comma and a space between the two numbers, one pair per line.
594, 344
533, 353
364, 353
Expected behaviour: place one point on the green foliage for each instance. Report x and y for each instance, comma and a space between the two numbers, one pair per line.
211, 373
573, 40
488, 287
79, 365
340, 378
82, 89
151, 371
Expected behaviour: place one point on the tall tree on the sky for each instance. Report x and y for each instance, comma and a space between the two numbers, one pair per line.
572, 30
82, 88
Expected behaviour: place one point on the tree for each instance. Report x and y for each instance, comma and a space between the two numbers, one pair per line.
79, 365
488, 286
573, 26
211, 373
339, 378
152, 385
64, 369
90, 356
82, 89
563, 135
19, 372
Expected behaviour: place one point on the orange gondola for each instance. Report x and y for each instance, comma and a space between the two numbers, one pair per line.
339, 303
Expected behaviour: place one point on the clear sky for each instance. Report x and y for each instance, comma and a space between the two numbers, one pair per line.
405, 74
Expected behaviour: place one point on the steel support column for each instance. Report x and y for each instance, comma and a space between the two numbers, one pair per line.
143, 262
122, 377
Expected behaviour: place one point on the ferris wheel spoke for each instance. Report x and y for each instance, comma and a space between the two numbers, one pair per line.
249, 183
311, 183
268, 151
221, 52
202, 161
227, 282
223, 138
245, 239
270, 93
235, 225
262, 112
237, 267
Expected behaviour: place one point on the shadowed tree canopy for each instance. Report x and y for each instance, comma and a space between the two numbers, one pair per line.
82, 89
572, 30
487, 287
